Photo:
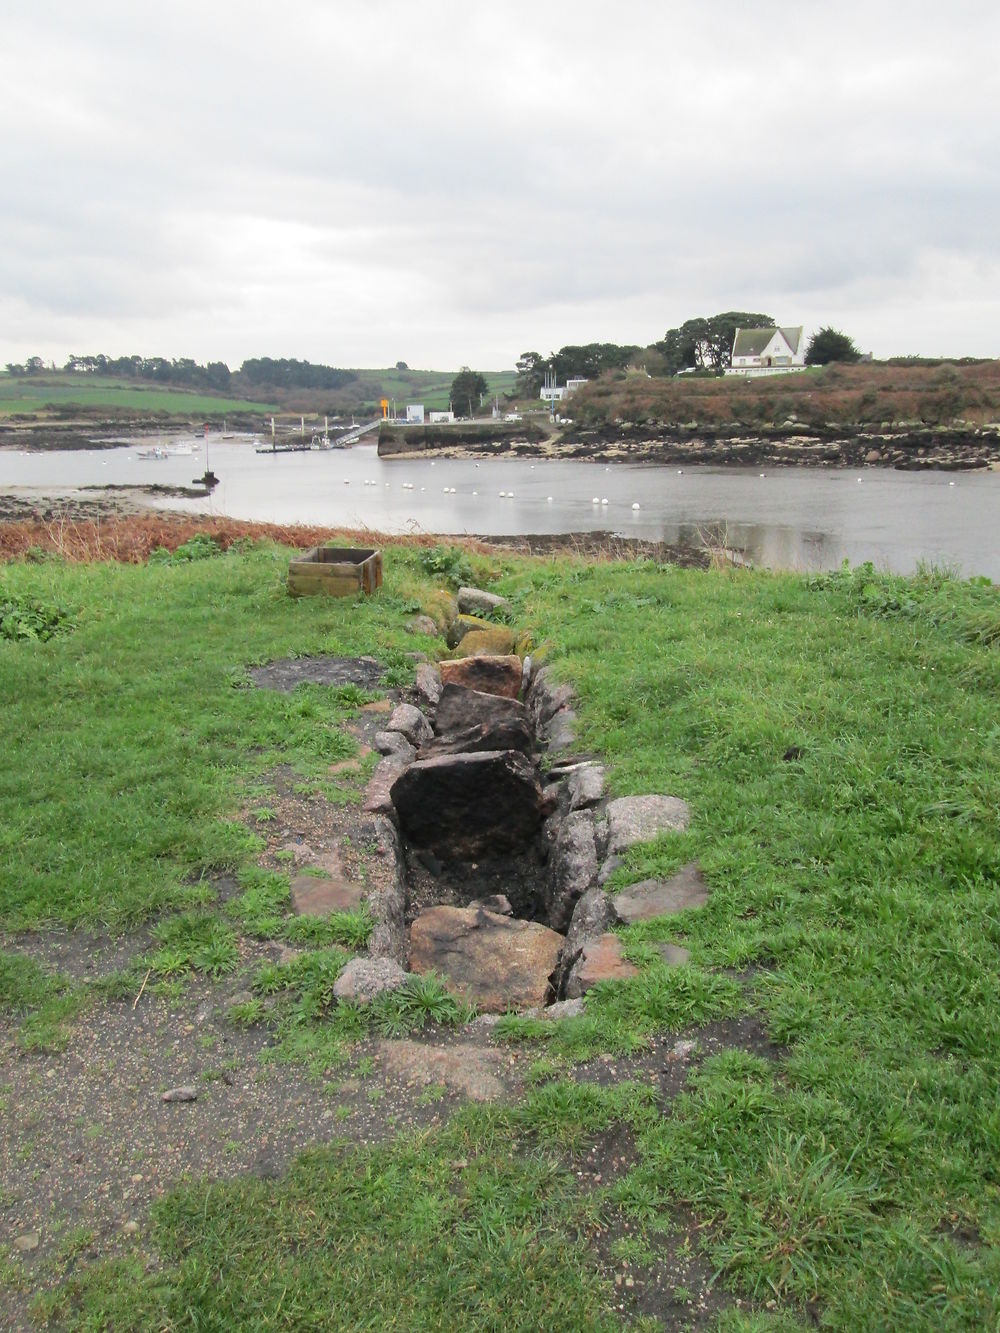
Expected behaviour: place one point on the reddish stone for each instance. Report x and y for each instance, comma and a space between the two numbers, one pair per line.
496, 962
601, 960
492, 675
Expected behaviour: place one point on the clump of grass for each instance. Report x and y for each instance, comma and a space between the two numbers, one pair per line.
24, 618
45, 1004
194, 941
312, 1025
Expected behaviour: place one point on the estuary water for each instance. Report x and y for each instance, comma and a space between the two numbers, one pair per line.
788, 518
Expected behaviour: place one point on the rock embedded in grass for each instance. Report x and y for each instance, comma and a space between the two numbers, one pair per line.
362, 979
463, 625
633, 819
478, 602
601, 959
421, 625
662, 897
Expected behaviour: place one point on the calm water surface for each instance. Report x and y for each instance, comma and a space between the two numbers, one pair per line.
788, 519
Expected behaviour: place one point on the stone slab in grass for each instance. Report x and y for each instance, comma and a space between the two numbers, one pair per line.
633, 819
315, 895
473, 1071
362, 979
662, 897
496, 962
602, 959
479, 602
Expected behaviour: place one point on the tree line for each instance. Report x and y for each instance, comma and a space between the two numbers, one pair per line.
184, 372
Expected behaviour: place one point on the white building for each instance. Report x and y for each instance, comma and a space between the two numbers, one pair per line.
560, 391
414, 414
438, 418
773, 351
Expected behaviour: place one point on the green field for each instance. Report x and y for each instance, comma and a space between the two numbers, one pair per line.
430, 387
837, 739
36, 393
58, 393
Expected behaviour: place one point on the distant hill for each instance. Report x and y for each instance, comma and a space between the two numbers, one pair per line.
65, 394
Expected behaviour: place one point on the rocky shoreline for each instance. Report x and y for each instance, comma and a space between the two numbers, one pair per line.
906, 449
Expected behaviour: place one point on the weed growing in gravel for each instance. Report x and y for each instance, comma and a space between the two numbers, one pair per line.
312, 1025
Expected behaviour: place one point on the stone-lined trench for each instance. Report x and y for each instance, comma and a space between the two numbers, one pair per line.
503, 838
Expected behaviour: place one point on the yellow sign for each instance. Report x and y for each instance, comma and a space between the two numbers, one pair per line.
385, 408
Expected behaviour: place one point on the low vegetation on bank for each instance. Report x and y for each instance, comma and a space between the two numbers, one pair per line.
871, 395
836, 737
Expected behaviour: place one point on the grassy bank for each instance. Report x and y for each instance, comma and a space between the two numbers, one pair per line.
871, 395
837, 739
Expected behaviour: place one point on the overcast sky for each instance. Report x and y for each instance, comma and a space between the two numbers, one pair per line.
446, 183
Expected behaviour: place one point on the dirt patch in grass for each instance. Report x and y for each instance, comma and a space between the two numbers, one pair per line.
365, 672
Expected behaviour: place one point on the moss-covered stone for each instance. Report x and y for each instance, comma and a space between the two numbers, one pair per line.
462, 625
493, 641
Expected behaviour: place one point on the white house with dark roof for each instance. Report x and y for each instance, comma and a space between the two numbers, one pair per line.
773, 351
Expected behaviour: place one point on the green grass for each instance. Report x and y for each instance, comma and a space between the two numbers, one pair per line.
430, 387
449, 1231
854, 911
135, 732
34, 393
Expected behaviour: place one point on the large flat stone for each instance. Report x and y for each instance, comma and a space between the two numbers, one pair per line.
662, 897
487, 642
495, 962
466, 805
633, 819
469, 720
602, 959
492, 675
314, 895
473, 1071
478, 602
